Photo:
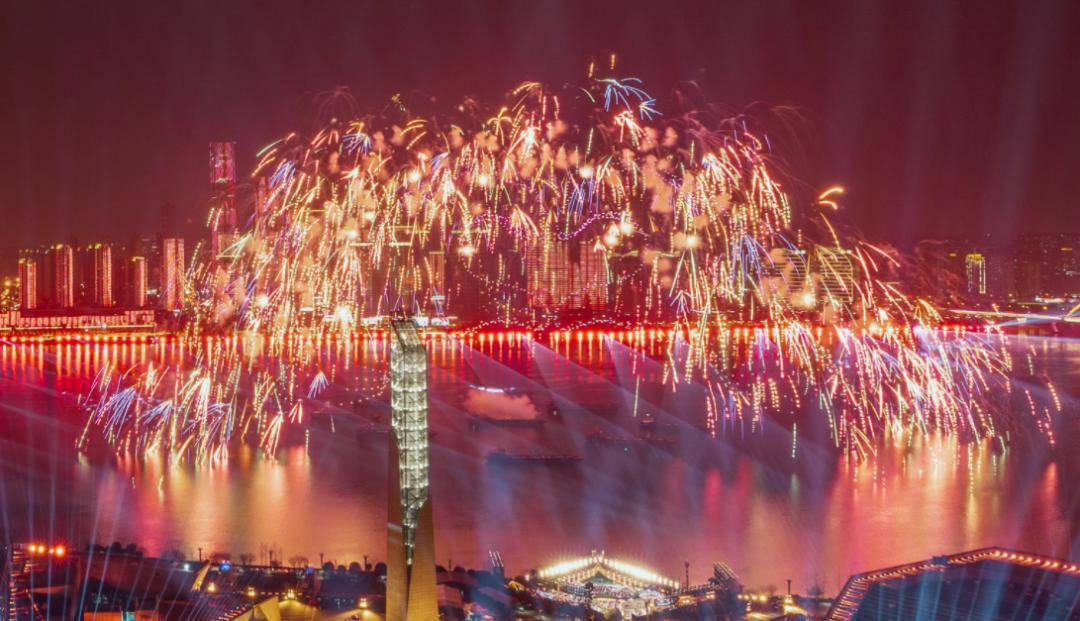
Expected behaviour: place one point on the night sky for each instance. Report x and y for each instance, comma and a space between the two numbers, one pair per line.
940, 119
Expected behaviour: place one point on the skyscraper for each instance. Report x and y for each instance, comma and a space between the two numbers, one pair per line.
101, 276
836, 274
172, 273
63, 275
590, 283
410, 566
137, 290
28, 283
149, 248
566, 275
547, 274
435, 291
975, 268
223, 215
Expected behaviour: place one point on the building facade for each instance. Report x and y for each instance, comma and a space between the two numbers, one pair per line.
835, 275
975, 273
100, 262
566, 275
137, 282
63, 275
172, 273
28, 283
223, 212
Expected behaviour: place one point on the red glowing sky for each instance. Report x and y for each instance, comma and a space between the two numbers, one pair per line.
940, 119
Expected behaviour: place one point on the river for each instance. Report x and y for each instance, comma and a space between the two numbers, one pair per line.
740, 498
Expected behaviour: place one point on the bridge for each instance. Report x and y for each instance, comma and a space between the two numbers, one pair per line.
1071, 315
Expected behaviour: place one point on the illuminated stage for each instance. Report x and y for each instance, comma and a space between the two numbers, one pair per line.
605, 585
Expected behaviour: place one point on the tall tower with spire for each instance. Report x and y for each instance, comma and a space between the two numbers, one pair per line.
410, 566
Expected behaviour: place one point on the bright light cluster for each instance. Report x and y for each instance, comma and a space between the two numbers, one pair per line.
601, 560
40, 549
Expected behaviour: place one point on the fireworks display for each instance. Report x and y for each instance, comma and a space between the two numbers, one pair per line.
556, 209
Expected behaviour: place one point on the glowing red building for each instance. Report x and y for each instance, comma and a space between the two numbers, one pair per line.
138, 284
101, 276
63, 275
28, 283
172, 273
566, 276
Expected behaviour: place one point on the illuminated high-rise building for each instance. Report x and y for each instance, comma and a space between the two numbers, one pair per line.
63, 275
975, 268
463, 281
566, 276
172, 273
401, 283
101, 275
436, 281
411, 277
946, 269
795, 271
149, 248
28, 283
836, 274
223, 216
410, 567
138, 280
590, 282
547, 274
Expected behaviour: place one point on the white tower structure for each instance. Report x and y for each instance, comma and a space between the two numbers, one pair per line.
410, 567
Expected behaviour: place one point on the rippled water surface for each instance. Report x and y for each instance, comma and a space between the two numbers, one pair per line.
679, 496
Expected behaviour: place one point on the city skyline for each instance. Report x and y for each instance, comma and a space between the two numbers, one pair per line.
558, 277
